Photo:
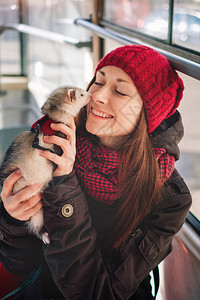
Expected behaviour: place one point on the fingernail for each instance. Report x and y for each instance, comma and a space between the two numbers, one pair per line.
18, 172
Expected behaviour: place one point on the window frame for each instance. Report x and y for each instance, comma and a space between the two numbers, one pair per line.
174, 48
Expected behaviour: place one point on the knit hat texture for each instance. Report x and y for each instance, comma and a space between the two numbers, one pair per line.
158, 84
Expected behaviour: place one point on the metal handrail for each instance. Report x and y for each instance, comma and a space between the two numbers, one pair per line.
190, 239
181, 64
45, 34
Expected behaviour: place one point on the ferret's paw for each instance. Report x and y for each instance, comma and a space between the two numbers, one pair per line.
45, 238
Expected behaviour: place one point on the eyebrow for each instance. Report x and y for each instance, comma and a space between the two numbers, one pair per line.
118, 79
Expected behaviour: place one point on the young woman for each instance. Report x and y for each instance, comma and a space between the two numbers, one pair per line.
116, 200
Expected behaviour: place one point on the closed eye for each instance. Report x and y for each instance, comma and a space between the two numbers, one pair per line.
122, 94
98, 83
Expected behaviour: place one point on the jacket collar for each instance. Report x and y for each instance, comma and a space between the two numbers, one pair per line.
168, 134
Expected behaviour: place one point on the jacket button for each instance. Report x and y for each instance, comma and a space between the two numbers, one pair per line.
67, 210
1, 236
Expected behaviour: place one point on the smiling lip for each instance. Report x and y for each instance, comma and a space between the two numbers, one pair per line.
100, 114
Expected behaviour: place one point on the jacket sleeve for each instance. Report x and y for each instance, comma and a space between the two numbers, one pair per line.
74, 257
19, 251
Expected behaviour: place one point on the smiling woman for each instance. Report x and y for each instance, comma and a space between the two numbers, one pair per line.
112, 219
115, 106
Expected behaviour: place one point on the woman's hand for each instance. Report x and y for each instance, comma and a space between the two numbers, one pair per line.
19, 205
65, 162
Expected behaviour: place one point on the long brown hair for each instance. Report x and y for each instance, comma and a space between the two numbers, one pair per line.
139, 186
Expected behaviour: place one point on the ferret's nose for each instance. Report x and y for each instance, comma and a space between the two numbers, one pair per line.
88, 97
89, 94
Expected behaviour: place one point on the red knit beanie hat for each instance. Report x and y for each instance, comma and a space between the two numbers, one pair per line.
158, 84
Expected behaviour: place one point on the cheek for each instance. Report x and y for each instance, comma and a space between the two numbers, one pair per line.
128, 114
88, 106
92, 89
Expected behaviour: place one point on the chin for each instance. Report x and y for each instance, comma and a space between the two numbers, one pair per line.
91, 129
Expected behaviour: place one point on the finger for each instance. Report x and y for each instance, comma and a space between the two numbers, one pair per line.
32, 211
53, 139
72, 124
21, 208
27, 192
25, 216
51, 156
62, 128
69, 131
31, 202
9, 182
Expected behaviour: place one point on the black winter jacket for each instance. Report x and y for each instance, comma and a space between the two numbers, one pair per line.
74, 265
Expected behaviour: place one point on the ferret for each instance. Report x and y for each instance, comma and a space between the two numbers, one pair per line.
23, 153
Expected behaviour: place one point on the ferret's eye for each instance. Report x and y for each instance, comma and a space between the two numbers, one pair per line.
81, 95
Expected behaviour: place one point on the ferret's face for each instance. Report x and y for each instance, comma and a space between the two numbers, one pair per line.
79, 97
64, 102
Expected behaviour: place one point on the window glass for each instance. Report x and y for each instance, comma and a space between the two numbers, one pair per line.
189, 163
9, 40
57, 63
146, 16
186, 24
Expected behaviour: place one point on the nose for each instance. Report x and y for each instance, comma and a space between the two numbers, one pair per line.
101, 96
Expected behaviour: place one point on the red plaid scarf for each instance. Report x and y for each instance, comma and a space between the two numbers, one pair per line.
97, 168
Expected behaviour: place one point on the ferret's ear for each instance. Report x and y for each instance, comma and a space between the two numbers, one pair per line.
71, 94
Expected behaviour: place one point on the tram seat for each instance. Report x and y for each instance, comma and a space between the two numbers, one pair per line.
8, 282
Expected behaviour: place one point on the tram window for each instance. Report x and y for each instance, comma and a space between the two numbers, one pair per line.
189, 163
9, 41
55, 63
153, 18
186, 24
10, 53
149, 17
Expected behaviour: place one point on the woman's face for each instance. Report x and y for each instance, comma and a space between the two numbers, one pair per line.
115, 106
